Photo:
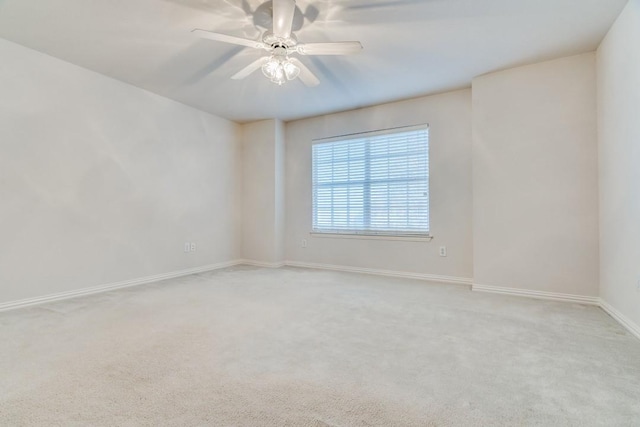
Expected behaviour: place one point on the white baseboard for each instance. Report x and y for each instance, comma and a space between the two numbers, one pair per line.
554, 296
620, 318
420, 276
111, 286
262, 263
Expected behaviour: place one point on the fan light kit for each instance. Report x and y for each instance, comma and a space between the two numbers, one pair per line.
279, 66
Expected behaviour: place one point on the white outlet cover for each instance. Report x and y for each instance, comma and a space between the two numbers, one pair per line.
193, 247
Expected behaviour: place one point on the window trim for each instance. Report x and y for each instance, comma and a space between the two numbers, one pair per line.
363, 236
375, 234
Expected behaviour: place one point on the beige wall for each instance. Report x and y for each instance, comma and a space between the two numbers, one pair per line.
535, 177
619, 154
263, 191
280, 188
449, 117
102, 182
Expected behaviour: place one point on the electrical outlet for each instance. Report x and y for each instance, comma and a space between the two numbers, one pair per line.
443, 251
304, 243
193, 246
187, 247
638, 285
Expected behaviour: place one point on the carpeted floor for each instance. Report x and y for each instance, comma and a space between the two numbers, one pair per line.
294, 347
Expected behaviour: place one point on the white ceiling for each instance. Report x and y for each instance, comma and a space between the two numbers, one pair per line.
411, 47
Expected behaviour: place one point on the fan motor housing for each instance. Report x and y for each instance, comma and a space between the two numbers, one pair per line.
276, 42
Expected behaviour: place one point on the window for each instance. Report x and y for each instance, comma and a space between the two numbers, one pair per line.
373, 183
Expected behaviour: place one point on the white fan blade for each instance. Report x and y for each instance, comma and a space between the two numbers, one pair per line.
283, 11
306, 76
229, 39
337, 48
254, 66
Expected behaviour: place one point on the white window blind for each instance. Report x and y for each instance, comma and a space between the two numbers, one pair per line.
373, 183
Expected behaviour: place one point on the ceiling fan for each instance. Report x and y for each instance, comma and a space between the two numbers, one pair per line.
280, 44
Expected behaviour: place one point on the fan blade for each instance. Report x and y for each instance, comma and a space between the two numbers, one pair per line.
283, 11
337, 48
254, 66
306, 76
229, 39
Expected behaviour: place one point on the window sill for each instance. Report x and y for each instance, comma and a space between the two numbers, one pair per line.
406, 238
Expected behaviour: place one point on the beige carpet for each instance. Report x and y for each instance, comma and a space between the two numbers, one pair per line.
259, 347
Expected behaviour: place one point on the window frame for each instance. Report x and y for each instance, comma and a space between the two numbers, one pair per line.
411, 235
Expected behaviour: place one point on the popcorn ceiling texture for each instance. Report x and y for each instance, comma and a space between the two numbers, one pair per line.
248, 347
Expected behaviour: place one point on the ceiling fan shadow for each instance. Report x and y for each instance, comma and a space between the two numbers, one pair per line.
221, 15
311, 13
383, 4
421, 11
190, 66
263, 15
213, 5
368, 13
329, 75
213, 65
